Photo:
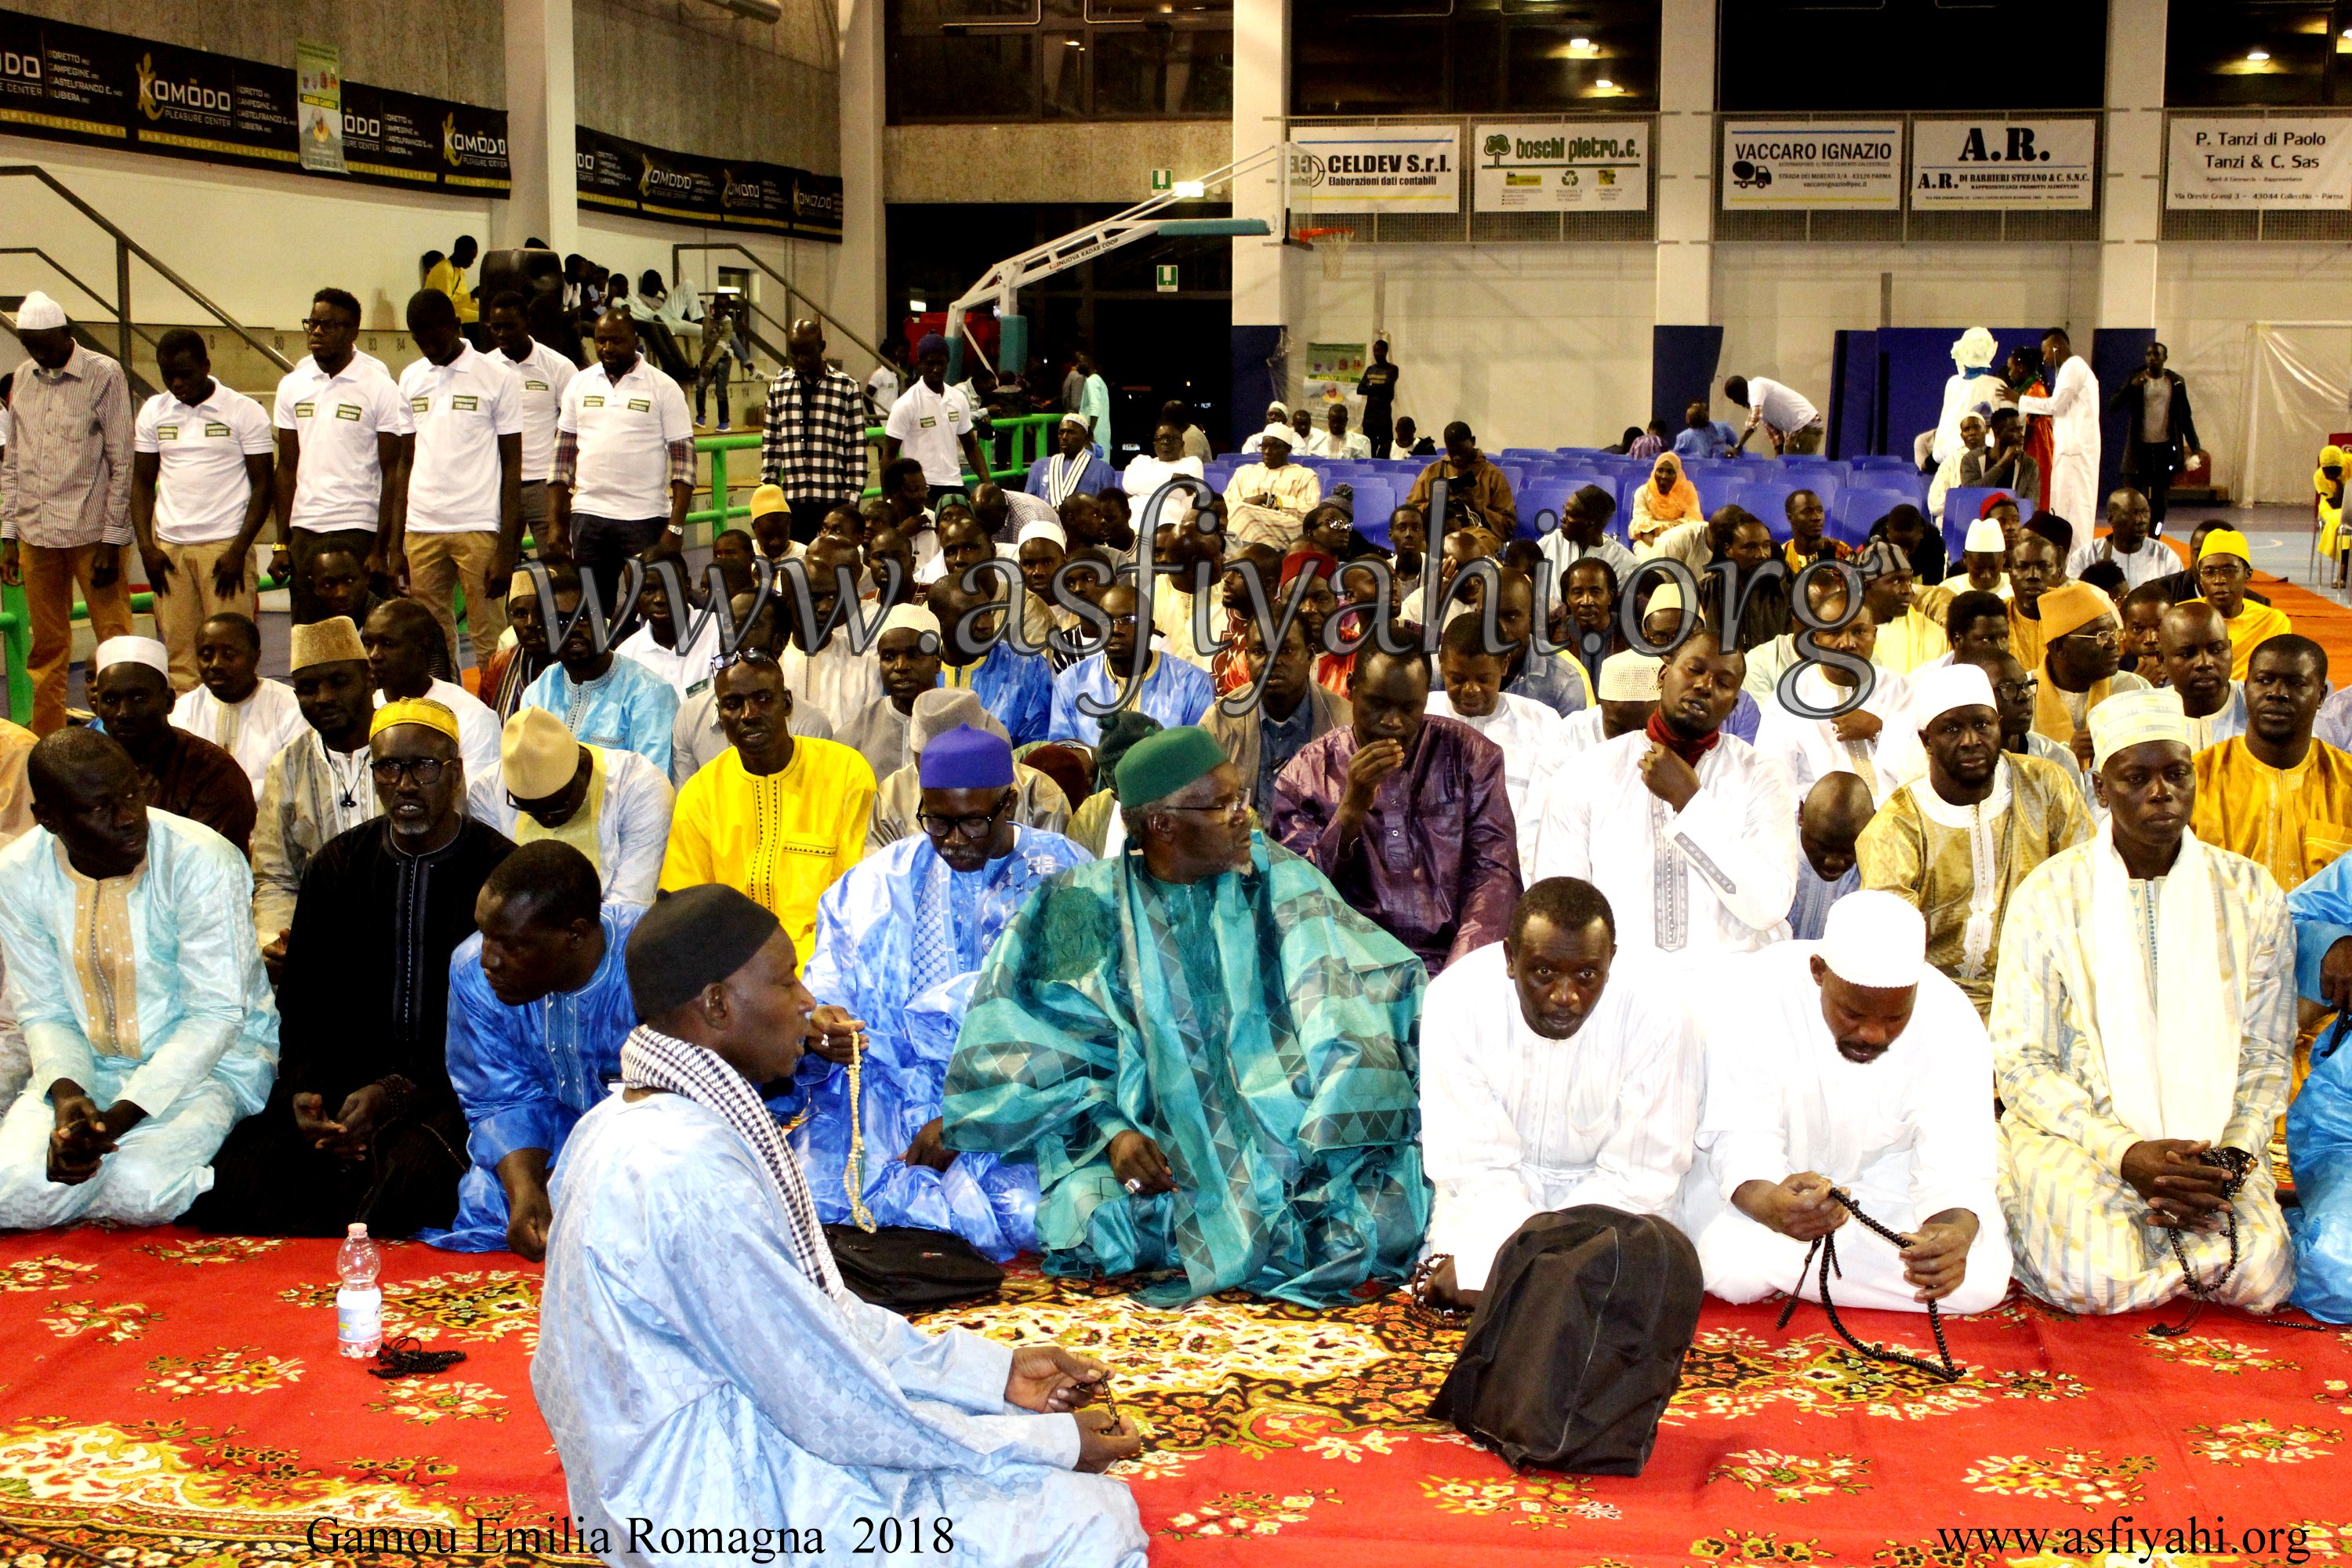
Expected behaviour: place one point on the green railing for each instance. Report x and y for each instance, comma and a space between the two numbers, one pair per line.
1016, 443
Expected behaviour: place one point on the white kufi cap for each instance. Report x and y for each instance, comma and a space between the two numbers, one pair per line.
2135, 717
39, 313
1629, 677
1985, 538
1875, 940
130, 650
1939, 688
908, 618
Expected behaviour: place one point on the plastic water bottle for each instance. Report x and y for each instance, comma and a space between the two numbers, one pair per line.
359, 1305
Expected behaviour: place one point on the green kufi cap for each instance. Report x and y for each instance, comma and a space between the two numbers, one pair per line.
1160, 764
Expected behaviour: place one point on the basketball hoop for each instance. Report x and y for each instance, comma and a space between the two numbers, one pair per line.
1333, 244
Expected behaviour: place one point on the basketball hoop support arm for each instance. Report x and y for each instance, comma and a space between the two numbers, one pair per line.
1001, 284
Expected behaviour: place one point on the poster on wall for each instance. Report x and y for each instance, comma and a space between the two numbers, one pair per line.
2047, 163
65, 83
1789, 166
1586, 166
319, 91
1378, 168
2305, 161
1332, 372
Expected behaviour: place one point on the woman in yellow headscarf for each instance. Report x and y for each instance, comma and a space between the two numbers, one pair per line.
1667, 499
2327, 482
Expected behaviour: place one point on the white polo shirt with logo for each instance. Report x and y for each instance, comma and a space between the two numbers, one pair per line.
929, 428
337, 419
624, 430
460, 410
202, 488
544, 375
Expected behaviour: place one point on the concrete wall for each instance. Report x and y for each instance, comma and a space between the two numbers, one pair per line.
693, 78
1111, 162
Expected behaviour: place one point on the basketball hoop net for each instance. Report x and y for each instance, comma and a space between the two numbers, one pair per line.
1331, 244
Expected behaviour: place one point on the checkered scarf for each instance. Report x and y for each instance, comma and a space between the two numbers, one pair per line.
651, 1059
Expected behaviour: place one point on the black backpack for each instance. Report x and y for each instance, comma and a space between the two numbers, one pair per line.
1578, 1341
910, 1270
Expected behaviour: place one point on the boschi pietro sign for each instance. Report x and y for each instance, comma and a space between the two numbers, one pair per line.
1579, 167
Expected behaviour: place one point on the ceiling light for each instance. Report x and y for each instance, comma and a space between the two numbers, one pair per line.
1072, 42
2258, 56
1604, 85
1579, 43
1190, 190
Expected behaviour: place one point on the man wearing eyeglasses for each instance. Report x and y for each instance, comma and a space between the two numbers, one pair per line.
340, 420
776, 816
1956, 844
363, 1124
897, 941
2082, 665
1206, 1054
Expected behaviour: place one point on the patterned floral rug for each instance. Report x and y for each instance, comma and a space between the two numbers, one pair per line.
172, 1402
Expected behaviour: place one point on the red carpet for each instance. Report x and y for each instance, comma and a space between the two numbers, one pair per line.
169, 1402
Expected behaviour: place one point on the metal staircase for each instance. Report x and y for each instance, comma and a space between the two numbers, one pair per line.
125, 333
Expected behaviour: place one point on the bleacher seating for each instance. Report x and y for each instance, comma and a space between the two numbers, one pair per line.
1960, 505
1767, 498
1857, 507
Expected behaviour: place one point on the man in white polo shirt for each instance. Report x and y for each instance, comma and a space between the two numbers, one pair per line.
623, 464
545, 373
1793, 424
340, 420
463, 523
933, 423
199, 494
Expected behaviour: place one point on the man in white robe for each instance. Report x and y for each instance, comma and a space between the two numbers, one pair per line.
1875, 739
1847, 1065
1690, 833
2118, 1071
1551, 1077
2072, 408
1531, 734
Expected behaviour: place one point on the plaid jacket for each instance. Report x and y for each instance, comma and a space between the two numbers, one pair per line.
819, 453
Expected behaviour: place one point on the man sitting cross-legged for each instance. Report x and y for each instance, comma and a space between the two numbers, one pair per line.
363, 1124
698, 1350
539, 1005
1551, 1075
1847, 1065
2119, 1072
134, 979
897, 941
1207, 1053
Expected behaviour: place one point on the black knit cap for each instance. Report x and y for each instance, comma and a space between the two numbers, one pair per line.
691, 939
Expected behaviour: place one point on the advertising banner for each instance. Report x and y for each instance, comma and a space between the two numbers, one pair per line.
621, 175
1586, 166
1788, 165
66, 83
2244, 163
1378, 168
2047, 163
319, 88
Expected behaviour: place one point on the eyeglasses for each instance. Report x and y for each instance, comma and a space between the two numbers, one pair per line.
2016, 691
744, 654
1232, 805
425, 771
321, 324
2102, 639
973, 827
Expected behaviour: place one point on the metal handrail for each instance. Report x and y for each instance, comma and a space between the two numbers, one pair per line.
125, 249
62, 270
792, 291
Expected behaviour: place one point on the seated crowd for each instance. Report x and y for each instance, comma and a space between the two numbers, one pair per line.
2008, 892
